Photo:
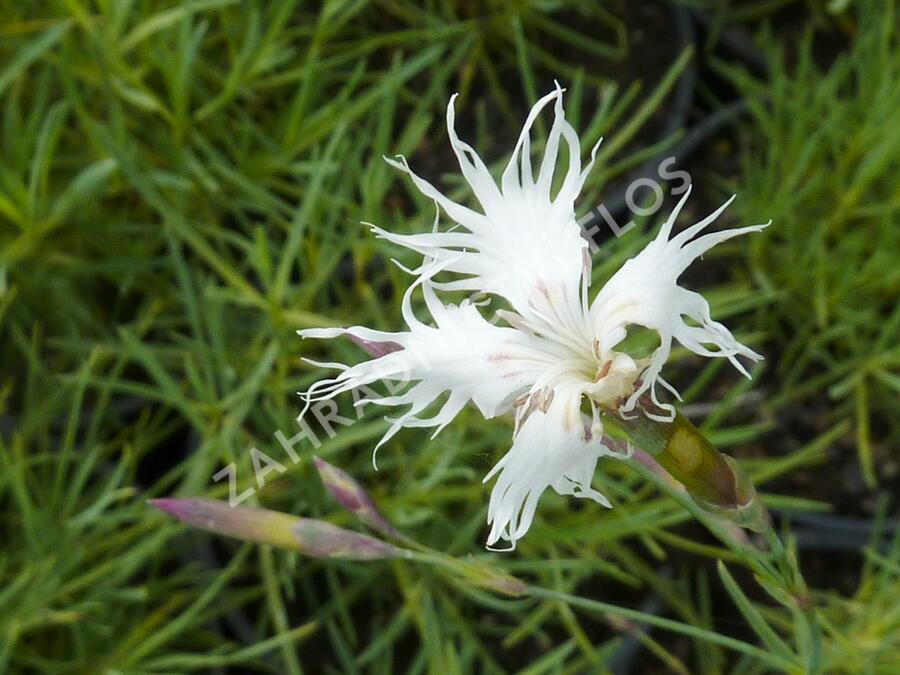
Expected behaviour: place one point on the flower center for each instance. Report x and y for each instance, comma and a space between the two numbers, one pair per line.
614, 379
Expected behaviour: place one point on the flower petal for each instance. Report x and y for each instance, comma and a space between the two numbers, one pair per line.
462, 354
527, 247
551, 449
645, 291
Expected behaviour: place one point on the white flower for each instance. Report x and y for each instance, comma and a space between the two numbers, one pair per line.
557, 354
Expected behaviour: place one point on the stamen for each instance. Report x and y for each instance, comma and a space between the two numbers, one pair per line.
604, 371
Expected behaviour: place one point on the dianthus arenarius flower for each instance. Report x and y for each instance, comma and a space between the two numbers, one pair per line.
557, 352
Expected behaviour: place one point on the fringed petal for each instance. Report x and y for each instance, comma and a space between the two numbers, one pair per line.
553, 448
645, 291
527, 247
462, 354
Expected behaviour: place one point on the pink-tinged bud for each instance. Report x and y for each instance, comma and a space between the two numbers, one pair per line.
376, 349
324, 540
311, 537
242, 522
351, 495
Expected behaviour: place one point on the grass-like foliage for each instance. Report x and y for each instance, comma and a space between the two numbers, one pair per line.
824, 162
181, 185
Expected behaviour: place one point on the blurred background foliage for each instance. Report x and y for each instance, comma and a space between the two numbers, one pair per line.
181, 185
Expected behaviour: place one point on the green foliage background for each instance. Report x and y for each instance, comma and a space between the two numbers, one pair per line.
180, 190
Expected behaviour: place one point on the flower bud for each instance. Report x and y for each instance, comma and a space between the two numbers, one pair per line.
351, 495
248, 523
321, 539
315, 538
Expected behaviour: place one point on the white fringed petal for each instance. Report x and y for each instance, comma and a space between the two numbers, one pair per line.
645, 291
551, 449
462, 354
527, 246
